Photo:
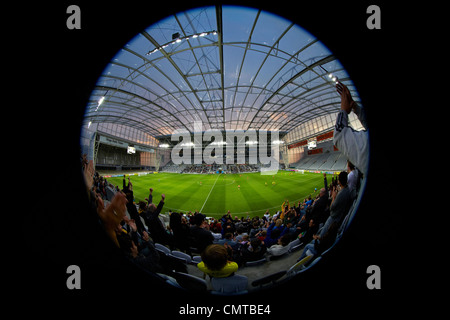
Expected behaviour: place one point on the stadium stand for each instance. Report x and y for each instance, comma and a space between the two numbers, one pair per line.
178, 266
288, 243
329, 160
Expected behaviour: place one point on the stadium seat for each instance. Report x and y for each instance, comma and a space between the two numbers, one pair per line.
272, 278
196, 259
298, 266
162, 248
169, 280
236, 284
181, 255
190, 282
255, 263
311, 262
294, 245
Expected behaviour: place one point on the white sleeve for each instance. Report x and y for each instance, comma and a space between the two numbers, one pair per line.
353, 144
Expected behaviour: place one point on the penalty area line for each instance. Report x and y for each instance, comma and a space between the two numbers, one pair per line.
210, 192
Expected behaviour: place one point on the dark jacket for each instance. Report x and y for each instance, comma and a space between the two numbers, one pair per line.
271, 238
200, 238
319, 211
154, 224
252, 255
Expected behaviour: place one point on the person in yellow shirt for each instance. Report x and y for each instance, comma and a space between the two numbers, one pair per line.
215, 262
285, 207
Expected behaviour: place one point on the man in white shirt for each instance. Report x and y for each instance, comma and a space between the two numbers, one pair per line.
353, 144
281, 247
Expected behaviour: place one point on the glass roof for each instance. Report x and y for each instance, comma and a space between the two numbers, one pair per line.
229, 67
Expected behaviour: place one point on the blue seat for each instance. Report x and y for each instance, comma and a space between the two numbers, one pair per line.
196, 259
190, 282
236, 284
268, 279
298, 266
181, 255
162, 248
294, 243
255, 263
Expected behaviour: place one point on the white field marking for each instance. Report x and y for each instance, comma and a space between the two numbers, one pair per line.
210, 192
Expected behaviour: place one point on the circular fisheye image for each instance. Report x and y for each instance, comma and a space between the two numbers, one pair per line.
226, 148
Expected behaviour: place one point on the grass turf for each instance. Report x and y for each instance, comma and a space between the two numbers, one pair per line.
215, 194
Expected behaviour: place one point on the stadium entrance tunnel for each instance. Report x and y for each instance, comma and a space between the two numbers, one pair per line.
180, 88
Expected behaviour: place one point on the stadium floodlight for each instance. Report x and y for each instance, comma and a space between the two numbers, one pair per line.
177, 38
333, 78
101, 100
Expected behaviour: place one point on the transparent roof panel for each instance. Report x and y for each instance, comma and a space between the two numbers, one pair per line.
230, 67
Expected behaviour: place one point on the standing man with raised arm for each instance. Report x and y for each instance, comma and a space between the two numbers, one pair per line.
353, 144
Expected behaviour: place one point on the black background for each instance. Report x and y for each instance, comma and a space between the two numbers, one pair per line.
61, 69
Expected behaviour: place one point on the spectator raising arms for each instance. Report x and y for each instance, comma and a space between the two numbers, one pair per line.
353, 144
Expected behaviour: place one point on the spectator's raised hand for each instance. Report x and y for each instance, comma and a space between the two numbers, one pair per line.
89, 174
113, 214
347, 102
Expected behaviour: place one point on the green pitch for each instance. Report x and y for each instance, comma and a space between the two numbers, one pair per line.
215, 194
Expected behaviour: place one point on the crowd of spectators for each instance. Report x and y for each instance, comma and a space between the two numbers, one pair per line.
213, 168
226, 244
137, 227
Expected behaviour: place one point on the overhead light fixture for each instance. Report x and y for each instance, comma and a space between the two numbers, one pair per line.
101, 100
333, 78
164, 145
177, 38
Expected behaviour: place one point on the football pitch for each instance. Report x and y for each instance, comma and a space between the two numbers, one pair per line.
243, 194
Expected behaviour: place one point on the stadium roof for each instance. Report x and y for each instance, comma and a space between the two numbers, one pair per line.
229, 67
